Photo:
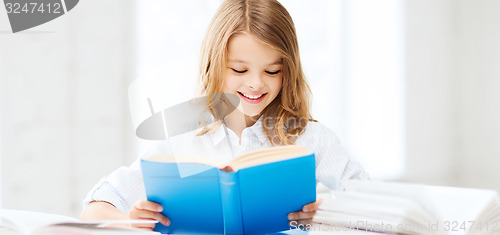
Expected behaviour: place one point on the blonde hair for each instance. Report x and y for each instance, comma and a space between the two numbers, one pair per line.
268, 21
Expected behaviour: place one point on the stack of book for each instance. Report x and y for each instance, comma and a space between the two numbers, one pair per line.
386, 207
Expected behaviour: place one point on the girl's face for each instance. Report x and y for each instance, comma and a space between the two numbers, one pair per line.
253, 73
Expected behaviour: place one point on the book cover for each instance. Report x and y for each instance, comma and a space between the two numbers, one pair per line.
250, 200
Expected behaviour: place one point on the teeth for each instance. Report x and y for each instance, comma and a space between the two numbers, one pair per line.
253, 97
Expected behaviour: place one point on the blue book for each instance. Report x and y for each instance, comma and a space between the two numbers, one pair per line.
252, 194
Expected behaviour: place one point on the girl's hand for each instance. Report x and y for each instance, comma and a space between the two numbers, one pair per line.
145, 209
305, 216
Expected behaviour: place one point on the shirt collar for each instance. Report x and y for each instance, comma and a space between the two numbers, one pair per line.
219, 134
259, 131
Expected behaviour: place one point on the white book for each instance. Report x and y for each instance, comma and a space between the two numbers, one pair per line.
387, 207
18, 222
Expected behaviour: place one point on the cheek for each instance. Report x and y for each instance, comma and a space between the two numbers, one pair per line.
225, 83
277, 85
225, 87
229, 84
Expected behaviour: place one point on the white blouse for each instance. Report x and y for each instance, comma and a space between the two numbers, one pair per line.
125, 186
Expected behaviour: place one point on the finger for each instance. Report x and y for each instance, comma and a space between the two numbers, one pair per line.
148, 205
301, 215
312, 206
163, 219
143, 226
151, 215
144, 214
141, 214
158, 217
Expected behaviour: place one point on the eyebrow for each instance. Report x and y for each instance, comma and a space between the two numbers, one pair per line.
244, 62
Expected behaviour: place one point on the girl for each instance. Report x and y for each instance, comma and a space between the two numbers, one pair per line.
251, 51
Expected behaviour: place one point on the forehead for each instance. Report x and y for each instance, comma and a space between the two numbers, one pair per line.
245, 48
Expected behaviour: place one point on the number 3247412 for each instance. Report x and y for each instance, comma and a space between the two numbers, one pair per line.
33, 7
471, 226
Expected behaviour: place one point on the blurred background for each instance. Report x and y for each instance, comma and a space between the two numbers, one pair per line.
410, 87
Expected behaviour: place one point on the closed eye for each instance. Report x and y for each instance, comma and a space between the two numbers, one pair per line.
239, 71
273, 72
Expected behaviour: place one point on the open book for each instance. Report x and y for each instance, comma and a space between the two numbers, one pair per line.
252, 194
18, 222
410, 209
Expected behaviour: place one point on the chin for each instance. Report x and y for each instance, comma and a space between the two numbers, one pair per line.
251, 113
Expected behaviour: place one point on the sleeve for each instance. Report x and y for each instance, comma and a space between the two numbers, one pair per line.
124, 186
333, 164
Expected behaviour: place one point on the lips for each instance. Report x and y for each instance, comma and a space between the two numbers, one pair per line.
252, 98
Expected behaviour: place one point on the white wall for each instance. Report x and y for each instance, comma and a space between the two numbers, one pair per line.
64, 105
477, 78
429, 109
453, 103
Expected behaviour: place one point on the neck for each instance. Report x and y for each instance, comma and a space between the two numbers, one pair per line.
238, 121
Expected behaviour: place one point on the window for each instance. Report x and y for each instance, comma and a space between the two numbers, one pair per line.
373, 73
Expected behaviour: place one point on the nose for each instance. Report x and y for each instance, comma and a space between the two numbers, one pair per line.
256, 82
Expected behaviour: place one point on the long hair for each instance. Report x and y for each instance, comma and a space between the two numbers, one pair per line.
286, 117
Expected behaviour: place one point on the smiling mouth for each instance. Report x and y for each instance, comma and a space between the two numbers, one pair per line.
252, 98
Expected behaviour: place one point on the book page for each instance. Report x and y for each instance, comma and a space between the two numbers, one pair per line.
456, 210
460, 208
384, 213
28, 221
268, 155
252, 158
414, 192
